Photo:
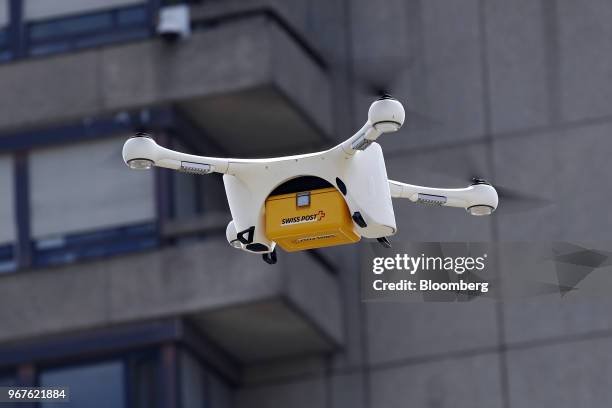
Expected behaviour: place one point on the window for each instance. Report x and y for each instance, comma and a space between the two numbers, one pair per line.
45, 9
8, 234
71, 26
135, 379
65, 25
85, 202
186, 193
4, 13
94, 386
4, 32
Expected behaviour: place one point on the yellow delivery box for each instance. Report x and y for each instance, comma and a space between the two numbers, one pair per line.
309, 219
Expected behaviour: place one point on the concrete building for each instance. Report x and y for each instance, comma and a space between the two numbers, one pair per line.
121, 285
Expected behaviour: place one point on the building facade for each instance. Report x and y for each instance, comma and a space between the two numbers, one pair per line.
120, 284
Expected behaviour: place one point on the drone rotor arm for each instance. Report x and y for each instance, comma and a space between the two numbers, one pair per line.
386, 115
361, 140
142, 150
477, 199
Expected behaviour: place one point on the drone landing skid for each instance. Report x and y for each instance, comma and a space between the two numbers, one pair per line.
270, 257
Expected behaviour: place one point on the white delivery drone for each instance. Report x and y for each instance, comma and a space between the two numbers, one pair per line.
277, 201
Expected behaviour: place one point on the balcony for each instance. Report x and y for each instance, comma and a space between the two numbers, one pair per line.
250, 68
251, 310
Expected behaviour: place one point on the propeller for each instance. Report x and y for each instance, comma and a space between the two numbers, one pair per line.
380, 77
511, 199
514, 201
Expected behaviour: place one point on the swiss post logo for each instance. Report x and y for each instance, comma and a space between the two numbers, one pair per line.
318, 216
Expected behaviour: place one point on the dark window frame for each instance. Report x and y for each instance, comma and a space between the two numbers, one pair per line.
101, 242
127, 360
157, 342
128, 345
166, 122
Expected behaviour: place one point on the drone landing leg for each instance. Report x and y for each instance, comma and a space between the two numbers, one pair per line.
270, 258
384, 241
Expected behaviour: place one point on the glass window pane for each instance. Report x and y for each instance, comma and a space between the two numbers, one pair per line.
192, 382
4, 13
185, 195
44, 9
134, 15
87, 186
95, 386
212, 194
71, 26
7, 210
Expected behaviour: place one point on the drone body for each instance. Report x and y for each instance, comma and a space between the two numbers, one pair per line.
355, 168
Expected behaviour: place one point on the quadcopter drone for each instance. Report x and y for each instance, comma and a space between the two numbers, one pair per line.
318, 199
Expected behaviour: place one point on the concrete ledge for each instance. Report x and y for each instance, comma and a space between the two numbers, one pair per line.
293, 12
217, 287
244, 54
